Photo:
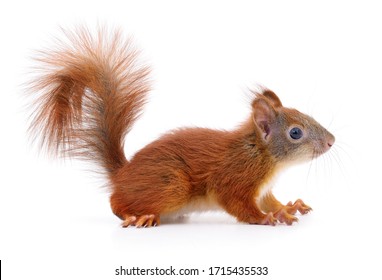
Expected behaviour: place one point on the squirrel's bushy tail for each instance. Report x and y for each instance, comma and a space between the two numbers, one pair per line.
89, 93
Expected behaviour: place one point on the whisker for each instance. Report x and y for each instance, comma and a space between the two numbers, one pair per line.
330, 123
310, 167
339, 161
343, 150
326, 169
329, 160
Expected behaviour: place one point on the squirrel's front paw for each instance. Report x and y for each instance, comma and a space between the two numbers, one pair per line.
283, 216
269, 219
299, 206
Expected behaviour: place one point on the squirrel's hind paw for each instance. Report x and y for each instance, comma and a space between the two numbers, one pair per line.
141, 221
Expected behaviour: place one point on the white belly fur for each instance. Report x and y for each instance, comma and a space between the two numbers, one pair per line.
209, 203
204, 204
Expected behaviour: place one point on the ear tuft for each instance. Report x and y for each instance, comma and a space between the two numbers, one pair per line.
272, 97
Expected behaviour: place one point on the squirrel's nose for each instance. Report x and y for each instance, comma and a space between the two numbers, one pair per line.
330, 141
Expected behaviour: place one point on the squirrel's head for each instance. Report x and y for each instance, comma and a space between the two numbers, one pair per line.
288, 134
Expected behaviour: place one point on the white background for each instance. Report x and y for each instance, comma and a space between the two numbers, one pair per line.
324, 59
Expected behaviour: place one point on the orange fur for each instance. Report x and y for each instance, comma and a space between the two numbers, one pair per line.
92, 90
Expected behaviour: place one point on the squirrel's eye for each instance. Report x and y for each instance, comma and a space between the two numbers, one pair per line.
295, 133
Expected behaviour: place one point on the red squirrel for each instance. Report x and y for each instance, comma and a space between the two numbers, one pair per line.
89, 93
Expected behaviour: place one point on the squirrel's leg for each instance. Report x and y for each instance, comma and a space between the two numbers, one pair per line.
245, 210
140, 202
284, 213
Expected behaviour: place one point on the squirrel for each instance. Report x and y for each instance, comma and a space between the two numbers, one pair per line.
92, 89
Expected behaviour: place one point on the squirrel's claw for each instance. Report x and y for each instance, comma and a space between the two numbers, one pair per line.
269, 219
283, 216
141, 221
299, 206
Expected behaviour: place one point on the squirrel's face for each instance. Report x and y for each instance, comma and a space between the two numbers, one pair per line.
290, 136
297, 137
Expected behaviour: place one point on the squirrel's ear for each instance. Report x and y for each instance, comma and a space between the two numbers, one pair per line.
263, 115
272, 97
